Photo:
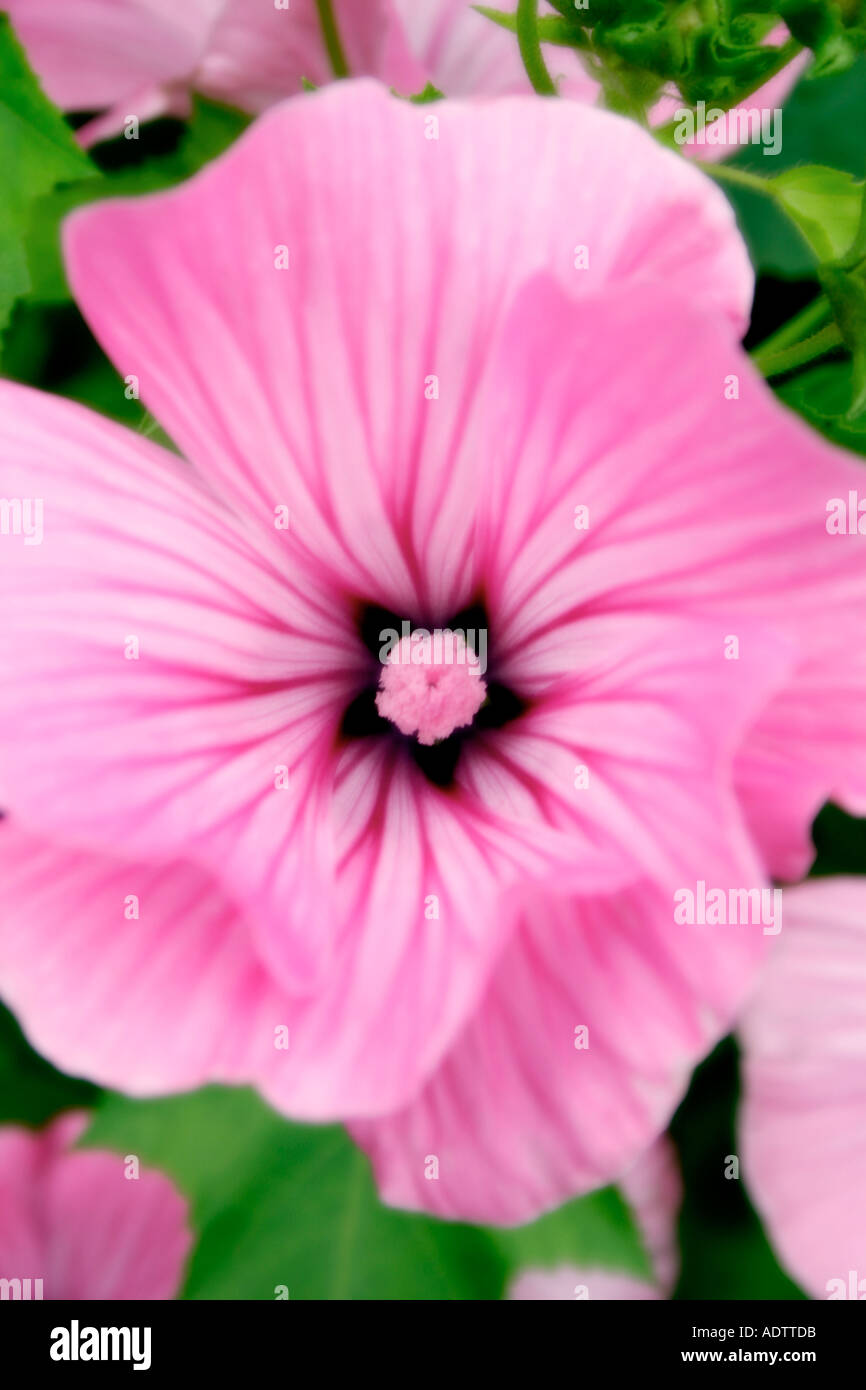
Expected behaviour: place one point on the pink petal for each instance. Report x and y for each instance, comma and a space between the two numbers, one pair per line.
566, 1282
141, 977
258, 54
425, 889
519, 1116
466, 55
90, 54
306, 385
75, 1221
803, 1121
654, 1190
696, 504
652, 716
240, 670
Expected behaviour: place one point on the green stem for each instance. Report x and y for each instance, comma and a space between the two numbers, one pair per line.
530, 49
331, 35
741, 178
806, 322
777, 363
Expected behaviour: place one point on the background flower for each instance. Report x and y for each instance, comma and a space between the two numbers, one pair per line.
76, 1220
803, 1119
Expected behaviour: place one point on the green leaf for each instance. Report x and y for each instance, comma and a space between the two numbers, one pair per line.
285, 1204
31, 1091
822, 124
427, 95
825, 205
823, 395
551, 28
844, 281
725, 1251
596, 1231
211, 129
276, 1203
37, 152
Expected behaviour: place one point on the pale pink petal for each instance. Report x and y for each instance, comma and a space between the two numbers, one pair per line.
241, 669
466, 55
522, 1114
258, 54
702, 495
81, 1225
803, 1119
141, 977
91, 54
654, 1191
567, 1282
425, 891
312, 385
634, 750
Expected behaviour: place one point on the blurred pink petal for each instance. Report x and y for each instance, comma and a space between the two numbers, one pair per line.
464, 54
146, 57
92, 54
654, 1190
527, 1110
78, 1223
803, 1120
566, 1283
257, 55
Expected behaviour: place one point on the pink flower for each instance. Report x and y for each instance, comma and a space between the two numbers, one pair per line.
653, 1190
145, 57
803, 1121
73, 1220
217, 844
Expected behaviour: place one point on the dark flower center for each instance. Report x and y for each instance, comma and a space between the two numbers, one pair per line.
438, 761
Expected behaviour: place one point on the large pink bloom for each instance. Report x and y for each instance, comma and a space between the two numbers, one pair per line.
75, 1220
431, 389
803, 1123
